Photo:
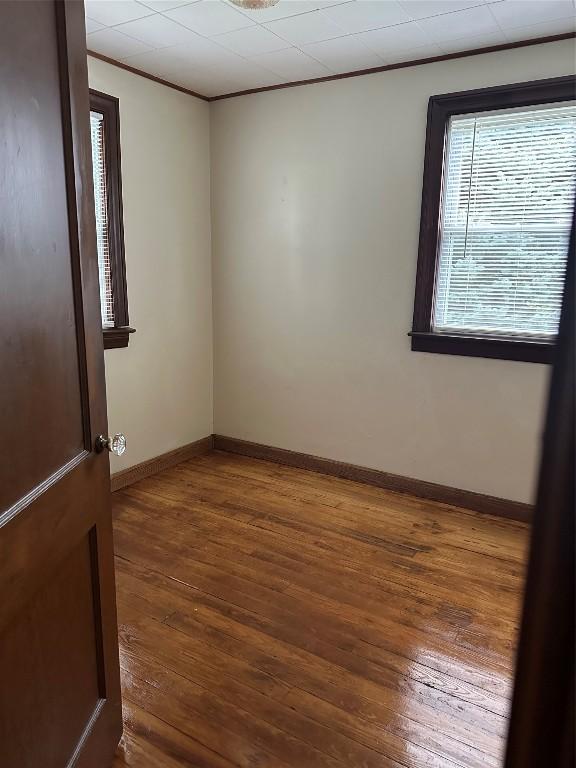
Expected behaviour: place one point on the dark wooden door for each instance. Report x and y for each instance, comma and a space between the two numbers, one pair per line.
59, 679
542, 718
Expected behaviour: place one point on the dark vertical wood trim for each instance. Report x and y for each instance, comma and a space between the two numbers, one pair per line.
75, 77
68, 130
109, 108
430, 223
542, 720
106, 725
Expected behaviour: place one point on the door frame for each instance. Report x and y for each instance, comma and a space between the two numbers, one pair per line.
541, 731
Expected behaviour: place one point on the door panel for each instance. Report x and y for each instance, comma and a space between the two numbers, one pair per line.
60, 693
47, 656
36, 266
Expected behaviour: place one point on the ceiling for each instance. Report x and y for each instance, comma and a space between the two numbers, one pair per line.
214, 48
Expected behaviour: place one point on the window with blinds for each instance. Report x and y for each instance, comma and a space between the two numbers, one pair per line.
102, 224
506, 213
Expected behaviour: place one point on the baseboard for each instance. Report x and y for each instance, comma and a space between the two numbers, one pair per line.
166, 460
477, 502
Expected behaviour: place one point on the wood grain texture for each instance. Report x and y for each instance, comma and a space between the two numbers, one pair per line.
59, 667
543, 718
477, 502
272, 616
166, 460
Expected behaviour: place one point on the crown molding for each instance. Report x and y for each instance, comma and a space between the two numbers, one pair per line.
146, 75
343, 75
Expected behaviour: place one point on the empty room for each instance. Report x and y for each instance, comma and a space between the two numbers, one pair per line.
287, 383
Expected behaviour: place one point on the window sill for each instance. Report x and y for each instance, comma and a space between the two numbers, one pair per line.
115, 338
523, 350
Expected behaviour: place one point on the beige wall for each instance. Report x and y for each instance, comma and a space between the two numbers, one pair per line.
160, 388
315, 217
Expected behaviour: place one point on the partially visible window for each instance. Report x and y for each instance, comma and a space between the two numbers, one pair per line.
500, 194
105, 136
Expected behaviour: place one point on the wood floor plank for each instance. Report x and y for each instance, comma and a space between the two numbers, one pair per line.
157, 642
324, 660
271, 616
492, 536
149, 742
374, 629
388, 576
312, 690
287, 558
377, 551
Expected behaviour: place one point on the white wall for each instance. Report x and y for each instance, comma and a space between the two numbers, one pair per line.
315, 218
160, 388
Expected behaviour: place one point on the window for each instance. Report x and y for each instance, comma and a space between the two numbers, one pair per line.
105, 135
497, 208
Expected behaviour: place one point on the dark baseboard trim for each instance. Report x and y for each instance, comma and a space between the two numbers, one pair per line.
166, 460
477, 502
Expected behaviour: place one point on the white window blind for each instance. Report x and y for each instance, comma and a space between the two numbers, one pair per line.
509, 183
102, 228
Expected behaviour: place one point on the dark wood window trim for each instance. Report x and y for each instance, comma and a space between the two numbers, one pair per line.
107, 106
440, 109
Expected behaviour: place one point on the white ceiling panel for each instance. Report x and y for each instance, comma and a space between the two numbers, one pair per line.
367, 14
92, 26
389, 41
209, 17
344, 51
422, 9
514, 13
557, 27
164, 5
163, 62
288, 8
293, 64
157, 31
250, 74
475, 41
460, 24
111, 12
251, 41
414, 54
310, 27
206, 81
109, 42
213, 47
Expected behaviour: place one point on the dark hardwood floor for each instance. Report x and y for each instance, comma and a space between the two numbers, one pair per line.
273, 617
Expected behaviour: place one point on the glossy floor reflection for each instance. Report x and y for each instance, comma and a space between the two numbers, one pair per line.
273, 617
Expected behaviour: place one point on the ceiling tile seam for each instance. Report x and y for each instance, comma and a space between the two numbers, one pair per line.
478, 4
213, 38
294, 15
509, 33
289, 45
292, 83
